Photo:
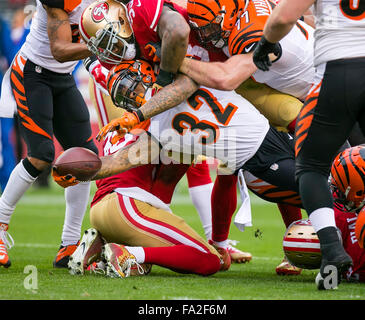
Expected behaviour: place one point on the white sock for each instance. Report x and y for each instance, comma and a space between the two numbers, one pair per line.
77, 199
138, 253
322, 218
222, 244
200, 196
19, 182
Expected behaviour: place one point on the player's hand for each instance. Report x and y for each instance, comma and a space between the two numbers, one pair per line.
64, 181
97, 71
154, 51
261, 54
163, 79
122, 125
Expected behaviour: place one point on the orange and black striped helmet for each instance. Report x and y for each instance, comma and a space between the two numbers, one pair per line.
213, 20
123, 83
347, 178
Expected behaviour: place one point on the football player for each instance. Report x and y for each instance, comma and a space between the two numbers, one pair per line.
326, 108
348, 189
134, 228
234, 28
210, 122
198, 175
40, 87
151, 21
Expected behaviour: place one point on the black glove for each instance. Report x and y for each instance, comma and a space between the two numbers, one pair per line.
262, 51
89, 61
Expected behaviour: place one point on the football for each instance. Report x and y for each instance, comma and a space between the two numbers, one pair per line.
80, 162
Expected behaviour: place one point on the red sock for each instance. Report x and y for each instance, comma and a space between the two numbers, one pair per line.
289, 213
224, 204
198, 174
183, 259
291, 126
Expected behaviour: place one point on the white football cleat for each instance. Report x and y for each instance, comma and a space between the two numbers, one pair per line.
88, 251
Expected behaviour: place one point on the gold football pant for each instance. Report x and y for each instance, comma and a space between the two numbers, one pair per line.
279, 108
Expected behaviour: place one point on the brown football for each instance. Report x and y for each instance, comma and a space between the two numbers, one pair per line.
80, 162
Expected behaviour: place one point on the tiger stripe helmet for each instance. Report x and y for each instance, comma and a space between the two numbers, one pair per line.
122, 82
347, 179
213, 20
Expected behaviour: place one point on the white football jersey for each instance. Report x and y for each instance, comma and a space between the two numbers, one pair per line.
293, 73
37, 46
340, 30
218, 124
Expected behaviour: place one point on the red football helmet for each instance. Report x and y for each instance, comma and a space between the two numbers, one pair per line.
347, 178
301, 245
128, 83
213, 20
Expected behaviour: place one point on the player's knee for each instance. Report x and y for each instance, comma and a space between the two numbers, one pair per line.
211, 265
44, 151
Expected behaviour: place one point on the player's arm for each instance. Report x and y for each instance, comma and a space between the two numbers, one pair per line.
60, 37
170, 96
144, 151
284, 17
226, 75
173, 31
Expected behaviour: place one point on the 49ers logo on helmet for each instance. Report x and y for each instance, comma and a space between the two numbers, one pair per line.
99, 11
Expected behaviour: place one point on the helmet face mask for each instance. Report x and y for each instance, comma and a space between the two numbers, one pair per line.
106, 29
109, 47
347, 178
211, 33
213, 20
128, 85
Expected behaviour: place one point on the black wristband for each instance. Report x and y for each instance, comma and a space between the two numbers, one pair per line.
88, 61
164, 78
138, 113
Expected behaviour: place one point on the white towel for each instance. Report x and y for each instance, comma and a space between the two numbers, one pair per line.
7, 101
243, 216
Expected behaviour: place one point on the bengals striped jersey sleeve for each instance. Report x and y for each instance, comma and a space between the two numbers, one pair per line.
249, 27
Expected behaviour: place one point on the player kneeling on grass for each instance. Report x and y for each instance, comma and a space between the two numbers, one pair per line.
133, 229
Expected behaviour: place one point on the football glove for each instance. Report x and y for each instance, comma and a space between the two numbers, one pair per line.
122, 125
154, 51
64, 181
163, 79
261, 54
97, 72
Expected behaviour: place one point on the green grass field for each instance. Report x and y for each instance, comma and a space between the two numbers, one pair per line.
36, 228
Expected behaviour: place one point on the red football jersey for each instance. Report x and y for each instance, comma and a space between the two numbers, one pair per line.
144, 16
157, 179
345, 221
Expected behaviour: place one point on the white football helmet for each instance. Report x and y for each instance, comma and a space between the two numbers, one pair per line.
301, 245
105, 27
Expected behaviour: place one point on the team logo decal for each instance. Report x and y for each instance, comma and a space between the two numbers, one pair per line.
99, 11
